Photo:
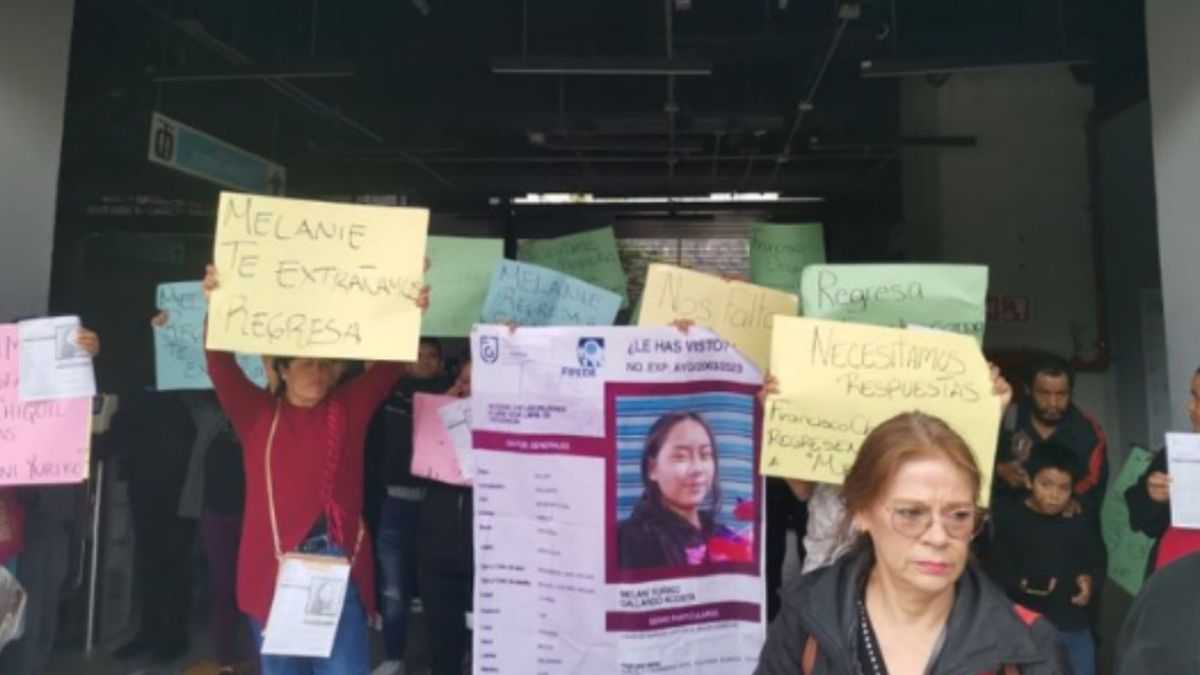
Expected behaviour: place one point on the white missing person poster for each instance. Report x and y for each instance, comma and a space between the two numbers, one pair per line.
618, 504
1183, 463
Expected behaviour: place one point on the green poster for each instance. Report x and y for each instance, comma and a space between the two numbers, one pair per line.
1127, 550
460, 269
591, 256
779, 253
943, 297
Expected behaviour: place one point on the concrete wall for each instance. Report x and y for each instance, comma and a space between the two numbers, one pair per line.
1125, 164
1175, 103
35, 40
1017, 202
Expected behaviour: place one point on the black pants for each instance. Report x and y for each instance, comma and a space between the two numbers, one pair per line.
784, 512
446, 599
163, 552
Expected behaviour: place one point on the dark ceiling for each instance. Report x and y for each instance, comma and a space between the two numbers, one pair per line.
421, 114
416, 109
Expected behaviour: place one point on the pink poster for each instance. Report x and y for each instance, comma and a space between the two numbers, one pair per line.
434, 456
44, 441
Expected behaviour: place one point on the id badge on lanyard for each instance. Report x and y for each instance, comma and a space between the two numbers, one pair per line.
310, 590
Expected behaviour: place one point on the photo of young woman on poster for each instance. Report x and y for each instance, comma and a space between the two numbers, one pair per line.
672, 523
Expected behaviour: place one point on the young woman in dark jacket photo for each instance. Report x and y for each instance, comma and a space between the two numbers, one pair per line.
670, 525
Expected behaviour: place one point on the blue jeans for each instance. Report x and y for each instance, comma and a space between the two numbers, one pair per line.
1081, 651
395, 549
351, 653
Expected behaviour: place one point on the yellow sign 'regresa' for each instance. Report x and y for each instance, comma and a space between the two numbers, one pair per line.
318, 279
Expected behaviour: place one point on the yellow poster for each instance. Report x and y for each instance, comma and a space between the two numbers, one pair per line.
318, 279
838, 381
739, 312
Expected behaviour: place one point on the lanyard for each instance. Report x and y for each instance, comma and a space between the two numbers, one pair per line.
271, 494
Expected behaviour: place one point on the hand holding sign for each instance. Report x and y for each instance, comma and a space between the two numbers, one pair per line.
210, 282
88, 341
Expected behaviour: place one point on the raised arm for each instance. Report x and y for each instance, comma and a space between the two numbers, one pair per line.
240, 398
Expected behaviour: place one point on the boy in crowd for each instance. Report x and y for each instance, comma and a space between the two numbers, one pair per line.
1048, 561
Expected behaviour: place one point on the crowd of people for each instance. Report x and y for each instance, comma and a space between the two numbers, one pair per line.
902, 572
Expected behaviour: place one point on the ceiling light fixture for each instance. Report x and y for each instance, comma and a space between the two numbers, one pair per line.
565, 65
919, 68
588, 199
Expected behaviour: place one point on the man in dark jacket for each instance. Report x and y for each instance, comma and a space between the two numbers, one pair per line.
1048, 414
985, 632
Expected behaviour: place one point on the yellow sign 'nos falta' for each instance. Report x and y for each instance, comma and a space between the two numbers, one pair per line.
740, 313
838, 381
317, 279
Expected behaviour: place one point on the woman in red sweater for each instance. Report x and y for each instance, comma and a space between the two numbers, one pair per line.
303, 454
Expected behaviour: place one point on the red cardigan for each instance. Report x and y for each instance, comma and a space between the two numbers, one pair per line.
298, 462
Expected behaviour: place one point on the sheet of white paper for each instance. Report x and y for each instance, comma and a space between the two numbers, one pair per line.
52, 365
457, 418
309, 595
1183, 463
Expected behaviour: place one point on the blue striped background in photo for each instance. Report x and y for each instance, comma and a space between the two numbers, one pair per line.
731, 417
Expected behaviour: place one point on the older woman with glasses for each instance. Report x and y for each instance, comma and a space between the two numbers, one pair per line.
906, 600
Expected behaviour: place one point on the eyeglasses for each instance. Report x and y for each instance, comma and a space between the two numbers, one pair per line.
914, 521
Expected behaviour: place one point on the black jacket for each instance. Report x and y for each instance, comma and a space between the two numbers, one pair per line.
654, 537
1077, 431
984, 633
388, 451
1159, 634
1032, 546
1146, 515
390, 436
